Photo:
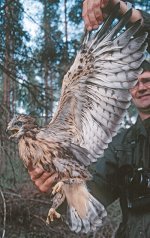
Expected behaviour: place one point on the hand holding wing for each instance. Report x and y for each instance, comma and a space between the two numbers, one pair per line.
95, 91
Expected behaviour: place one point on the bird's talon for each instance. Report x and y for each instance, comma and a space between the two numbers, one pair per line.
52, 214
57, 188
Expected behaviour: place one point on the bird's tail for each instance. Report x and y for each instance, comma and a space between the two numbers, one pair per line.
85, 214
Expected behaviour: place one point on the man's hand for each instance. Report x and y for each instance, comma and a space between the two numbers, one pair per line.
43, 180
93, 13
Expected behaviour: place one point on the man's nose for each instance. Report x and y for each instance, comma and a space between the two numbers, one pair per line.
141, 86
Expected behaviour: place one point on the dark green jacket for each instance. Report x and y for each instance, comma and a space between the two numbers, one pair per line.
131, 146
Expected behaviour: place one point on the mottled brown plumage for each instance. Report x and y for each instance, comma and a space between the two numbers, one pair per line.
93, 101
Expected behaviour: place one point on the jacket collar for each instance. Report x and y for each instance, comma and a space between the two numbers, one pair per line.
141, 127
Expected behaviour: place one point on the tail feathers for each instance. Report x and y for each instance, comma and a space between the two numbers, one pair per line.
92, 221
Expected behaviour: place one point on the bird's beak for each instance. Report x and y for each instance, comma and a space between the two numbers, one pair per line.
8, 129
12, 131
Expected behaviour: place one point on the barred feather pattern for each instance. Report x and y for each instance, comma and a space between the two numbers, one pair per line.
95, 91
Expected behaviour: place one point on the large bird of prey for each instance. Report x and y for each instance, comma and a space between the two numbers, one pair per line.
94, 98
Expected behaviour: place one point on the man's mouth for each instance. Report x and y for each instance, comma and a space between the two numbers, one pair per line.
144, 95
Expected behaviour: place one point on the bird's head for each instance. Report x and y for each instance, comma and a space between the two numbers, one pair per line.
20, 124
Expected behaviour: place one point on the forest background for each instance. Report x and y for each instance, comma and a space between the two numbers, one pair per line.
38, 42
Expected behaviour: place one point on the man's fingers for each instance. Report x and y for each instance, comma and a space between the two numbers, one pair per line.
42, 179
35, 173
45, 186
89, 15
85, 16
104, 3
98, 11
92, 13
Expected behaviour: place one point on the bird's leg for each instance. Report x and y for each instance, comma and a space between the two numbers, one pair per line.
59, 197
57, 201
52, 214
58, 187
73, 181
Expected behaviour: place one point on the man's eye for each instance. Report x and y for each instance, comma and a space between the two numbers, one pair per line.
18, 123
146, 81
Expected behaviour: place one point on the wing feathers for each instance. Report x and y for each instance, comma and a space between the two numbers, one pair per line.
123, 39
125, 19
104, 29
97, 86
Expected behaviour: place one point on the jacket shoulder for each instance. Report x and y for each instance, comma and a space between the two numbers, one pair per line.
122, 136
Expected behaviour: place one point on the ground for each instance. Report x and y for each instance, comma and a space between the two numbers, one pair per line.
26, 211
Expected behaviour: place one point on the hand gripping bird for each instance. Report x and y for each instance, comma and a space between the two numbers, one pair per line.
94, 98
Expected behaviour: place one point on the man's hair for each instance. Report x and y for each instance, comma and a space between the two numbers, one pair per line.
145, 65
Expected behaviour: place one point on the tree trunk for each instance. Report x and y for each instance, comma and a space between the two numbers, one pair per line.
6, 78
47, 63
66, 28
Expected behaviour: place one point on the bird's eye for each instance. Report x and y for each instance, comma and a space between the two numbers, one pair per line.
18, 123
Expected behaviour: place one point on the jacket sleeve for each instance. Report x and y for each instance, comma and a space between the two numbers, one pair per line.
146, 26
104, 185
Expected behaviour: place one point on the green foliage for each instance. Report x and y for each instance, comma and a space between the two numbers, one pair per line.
143, 4
75, 14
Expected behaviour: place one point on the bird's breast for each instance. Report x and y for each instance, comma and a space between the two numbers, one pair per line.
35, 152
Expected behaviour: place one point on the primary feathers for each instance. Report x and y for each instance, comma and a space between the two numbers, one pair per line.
93, 101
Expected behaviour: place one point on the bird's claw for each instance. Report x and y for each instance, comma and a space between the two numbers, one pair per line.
52, 214
57, 188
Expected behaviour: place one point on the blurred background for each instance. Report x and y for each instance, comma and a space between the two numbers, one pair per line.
38, 42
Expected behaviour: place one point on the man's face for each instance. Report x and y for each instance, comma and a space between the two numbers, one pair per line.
141, 92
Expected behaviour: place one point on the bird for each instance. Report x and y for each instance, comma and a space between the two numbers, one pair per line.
94, 99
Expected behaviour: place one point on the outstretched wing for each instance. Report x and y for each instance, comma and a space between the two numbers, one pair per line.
95, 91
